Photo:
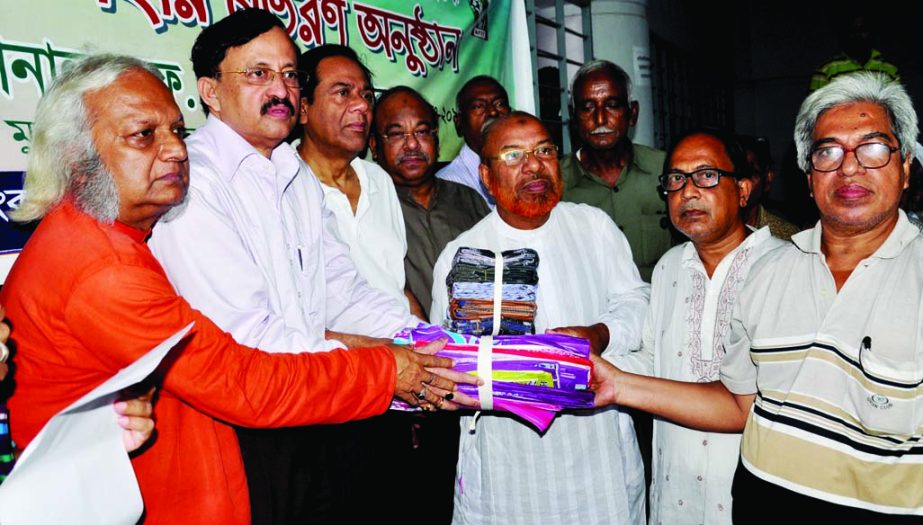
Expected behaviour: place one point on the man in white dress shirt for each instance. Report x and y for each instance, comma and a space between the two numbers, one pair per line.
694, 288
256, 251
586, 468
479, 101
336, 118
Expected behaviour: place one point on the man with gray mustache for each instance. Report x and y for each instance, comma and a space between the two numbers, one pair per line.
707, 180
405, 142
608, 170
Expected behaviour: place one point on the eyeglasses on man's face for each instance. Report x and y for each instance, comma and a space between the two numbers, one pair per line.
480, 106
263, 76
705, 178
869, 155
400, 137
515, 157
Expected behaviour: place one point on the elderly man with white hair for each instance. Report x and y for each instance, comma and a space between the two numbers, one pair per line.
824, 364
87, 298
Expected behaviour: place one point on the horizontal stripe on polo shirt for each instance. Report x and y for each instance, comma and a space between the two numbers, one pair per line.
829, 450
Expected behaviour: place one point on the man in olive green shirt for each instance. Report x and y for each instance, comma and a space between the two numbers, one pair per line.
610, 172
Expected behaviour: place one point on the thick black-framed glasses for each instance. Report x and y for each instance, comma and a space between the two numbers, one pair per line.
705, 178
870, 155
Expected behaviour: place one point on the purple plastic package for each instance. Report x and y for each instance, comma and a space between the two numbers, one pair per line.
532, 376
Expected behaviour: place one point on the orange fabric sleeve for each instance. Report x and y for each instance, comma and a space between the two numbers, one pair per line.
122, 311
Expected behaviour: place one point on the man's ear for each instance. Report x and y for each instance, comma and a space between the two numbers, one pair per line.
633, 106
744, 187
457, 120
768, 177
208, 92
484, 172
373, 146
906, 166
303, 111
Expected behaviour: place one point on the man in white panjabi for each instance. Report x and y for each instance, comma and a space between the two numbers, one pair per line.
693, 292
586, 468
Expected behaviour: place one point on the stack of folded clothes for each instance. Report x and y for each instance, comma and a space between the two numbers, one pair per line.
471, 288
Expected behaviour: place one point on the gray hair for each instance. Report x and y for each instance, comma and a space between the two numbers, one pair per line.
857, 87
64, 161
617, 73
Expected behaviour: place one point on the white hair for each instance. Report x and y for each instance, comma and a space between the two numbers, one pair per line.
857, 87
64, 161
619, 75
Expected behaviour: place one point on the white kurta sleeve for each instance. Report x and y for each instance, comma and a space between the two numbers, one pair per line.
641, 360
440, 295
627, 294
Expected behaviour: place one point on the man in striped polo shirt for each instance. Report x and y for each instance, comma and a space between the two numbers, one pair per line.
824, 363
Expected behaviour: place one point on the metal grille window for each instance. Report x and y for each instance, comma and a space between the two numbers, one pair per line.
561, 40
686, 94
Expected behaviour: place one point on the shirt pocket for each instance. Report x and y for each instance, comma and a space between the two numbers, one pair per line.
885, 394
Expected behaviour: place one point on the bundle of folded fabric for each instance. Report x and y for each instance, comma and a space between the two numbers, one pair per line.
532, 376
472, 287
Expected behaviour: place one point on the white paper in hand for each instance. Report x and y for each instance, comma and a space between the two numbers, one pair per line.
76, 469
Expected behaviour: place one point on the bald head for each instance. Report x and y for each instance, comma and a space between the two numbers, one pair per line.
519, 166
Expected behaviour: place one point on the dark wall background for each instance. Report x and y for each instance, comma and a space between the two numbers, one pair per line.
768, 50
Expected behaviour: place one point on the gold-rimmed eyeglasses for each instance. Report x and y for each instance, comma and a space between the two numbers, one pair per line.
262, 76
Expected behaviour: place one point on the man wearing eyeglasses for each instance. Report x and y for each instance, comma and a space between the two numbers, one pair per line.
824, 359
405, 142
586, 468
256, 251
481, 100
707, 182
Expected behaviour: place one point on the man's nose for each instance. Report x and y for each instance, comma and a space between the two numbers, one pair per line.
850, 165
173, 148
277, 87
411, 142
599, 117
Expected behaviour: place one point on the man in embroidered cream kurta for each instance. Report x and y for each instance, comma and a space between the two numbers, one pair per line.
693, 292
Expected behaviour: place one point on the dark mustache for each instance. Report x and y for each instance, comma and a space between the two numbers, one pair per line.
275, 101
413, 155
692, 207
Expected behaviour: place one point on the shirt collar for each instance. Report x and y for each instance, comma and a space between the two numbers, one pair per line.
69, 207
633, 166
470, 160
904, 233
134, 233
691, 257
234, 150
405, 196
515, 233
